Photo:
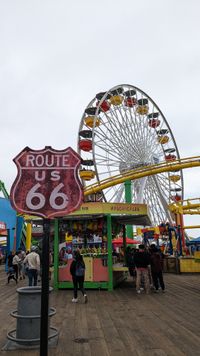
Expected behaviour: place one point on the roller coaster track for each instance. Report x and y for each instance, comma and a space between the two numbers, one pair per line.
143, 171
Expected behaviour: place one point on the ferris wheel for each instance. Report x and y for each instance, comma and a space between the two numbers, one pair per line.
123, 129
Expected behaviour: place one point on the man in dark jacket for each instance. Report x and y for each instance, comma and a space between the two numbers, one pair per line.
142, 261
157, 268
129, 255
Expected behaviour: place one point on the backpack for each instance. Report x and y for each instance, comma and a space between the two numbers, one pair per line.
80, 269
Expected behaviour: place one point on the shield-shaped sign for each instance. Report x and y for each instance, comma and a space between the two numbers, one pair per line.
47, 183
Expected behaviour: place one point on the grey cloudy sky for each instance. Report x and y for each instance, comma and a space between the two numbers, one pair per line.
56, 55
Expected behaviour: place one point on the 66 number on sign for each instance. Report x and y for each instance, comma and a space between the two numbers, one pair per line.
34, 195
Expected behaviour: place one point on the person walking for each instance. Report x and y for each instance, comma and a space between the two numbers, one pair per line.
130, 261
142, 263
77, 270
33, 263
22, 265
11, 272
1, 257
157, 268
16, 264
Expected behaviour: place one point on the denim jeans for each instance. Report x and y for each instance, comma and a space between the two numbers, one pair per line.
142, 273
78, 282
32, 277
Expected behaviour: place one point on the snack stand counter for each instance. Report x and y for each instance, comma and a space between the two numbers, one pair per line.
90, 229
190, 264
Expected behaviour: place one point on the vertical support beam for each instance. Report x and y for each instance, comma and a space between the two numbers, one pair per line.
28, 236
170, 240
182, 231
8, 249
180, 240
44, 321
180, 224
124, 244
19, 226
109, 237
56, 252
128, 199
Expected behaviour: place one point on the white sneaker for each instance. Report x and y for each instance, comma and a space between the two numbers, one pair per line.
74, 300
85, 298
138, 291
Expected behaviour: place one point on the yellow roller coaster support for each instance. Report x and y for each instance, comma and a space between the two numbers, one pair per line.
28, 236
186, 207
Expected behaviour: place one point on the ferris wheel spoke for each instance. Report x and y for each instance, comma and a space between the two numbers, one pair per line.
124, 130
101, 164
161, 197
163, 188
126, 123
111, 171
163, 178
114, 138
114, 145
118, 193
121, 129
156, 209
111, 155
104, 161
133, 125
120, 149
153, 206
108, 148
115, 132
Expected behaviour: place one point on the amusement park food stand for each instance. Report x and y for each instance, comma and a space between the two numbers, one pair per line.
97, 224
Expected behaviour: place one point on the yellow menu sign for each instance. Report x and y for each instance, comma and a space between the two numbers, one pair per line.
111, 208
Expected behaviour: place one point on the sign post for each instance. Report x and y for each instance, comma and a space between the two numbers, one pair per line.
45, 289
46, 185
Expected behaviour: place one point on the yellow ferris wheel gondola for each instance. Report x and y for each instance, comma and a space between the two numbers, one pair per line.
86, 174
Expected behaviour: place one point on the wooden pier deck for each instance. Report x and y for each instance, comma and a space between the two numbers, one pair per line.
118, 323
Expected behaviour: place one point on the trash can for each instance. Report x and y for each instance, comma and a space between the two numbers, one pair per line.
28, 317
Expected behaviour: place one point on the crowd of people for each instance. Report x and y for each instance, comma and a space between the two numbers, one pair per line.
146, 266
22, 264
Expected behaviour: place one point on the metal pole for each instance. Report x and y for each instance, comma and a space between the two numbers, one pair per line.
109, 237
45, 290
56, 253
170, 240
180, 239
28, 235
128, 199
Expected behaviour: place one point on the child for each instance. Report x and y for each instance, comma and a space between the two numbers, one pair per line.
11, 274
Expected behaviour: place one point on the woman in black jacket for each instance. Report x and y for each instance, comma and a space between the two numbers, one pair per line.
77, 270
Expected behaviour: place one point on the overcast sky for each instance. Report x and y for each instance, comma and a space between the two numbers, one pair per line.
56, 55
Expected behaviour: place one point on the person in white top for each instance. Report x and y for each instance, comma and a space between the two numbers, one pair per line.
33, 263
16, 262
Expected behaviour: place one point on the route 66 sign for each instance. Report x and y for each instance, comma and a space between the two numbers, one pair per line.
47, 182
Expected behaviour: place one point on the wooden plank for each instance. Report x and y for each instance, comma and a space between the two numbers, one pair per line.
118, 323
